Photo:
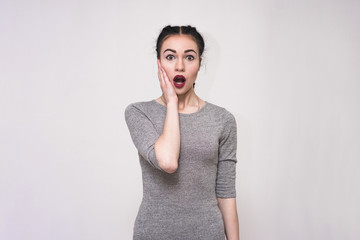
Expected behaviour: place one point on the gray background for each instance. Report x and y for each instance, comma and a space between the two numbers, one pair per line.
288, 70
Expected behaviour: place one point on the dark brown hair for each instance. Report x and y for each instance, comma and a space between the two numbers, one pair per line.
177, 30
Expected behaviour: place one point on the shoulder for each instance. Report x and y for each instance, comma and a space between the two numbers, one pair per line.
220, 113
140, 106
143, 108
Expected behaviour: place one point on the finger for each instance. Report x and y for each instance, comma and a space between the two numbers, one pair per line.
161, 79
161, 68
159, 64
160, 74
164, 74
165, 79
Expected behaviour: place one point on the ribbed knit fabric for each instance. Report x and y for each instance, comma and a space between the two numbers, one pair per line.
183, 205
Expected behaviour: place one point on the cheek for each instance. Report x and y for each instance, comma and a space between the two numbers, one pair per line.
167, 70
194, 70
166, 66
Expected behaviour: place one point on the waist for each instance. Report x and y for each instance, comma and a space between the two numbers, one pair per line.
182, 204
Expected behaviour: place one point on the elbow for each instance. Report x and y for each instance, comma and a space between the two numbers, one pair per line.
169, 167
167, 160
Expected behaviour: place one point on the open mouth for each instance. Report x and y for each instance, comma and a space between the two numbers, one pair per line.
179, 81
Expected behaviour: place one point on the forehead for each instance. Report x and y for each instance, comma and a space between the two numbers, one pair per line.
179, 43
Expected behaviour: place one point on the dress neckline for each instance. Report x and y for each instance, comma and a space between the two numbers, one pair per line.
184, 114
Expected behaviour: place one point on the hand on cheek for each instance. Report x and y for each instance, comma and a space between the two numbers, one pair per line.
166, 87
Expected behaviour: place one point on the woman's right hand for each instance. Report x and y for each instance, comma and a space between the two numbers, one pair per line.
166, 87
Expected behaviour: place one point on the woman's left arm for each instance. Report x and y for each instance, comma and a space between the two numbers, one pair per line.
229, 213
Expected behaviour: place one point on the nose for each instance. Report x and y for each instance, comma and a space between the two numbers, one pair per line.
180, 67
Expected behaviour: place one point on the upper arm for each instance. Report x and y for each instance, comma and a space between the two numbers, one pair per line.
143, 133
226, 173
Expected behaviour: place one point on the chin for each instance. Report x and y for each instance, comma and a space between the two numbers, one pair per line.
182, 91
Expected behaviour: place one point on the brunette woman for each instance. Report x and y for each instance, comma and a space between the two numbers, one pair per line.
187, 150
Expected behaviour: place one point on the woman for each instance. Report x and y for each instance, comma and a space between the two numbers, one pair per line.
187, 150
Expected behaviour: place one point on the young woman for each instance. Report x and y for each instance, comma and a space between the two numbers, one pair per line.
187, 150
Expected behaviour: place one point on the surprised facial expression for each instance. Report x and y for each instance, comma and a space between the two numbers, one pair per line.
181, 61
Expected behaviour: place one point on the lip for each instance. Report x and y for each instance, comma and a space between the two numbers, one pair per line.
179, 84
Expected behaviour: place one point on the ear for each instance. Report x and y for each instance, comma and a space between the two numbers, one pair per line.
200, 63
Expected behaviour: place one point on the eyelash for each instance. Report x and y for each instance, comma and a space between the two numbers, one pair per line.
170, 57
188, 57
191, 57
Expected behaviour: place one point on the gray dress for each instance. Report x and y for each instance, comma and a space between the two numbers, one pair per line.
183, 205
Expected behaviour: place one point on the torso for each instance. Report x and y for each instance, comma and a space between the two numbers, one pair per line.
183, 205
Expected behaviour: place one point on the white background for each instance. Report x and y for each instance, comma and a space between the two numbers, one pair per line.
288, 70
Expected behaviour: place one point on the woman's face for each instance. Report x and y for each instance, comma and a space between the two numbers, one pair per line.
180, 59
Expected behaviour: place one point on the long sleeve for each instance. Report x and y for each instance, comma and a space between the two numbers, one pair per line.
143, 133
226, 173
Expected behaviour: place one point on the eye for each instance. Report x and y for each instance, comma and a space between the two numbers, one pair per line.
190, 57
170, 57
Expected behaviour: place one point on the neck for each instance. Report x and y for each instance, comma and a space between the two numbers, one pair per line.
187, 101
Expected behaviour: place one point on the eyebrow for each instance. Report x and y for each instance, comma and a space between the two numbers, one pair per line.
190, 50
171, 50
186, 51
